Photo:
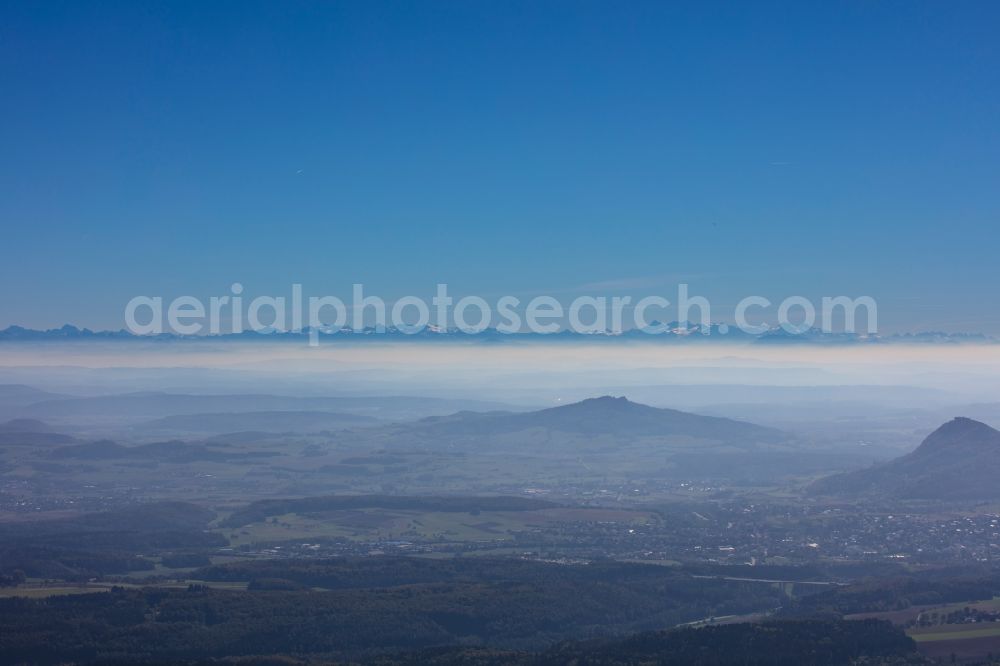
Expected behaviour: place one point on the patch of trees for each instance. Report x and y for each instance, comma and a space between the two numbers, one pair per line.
68, 564
446, 626
898, 593
104, 543
168, 452
520, 612
787, 643
13, 579
825, 571
790, 643
367, 572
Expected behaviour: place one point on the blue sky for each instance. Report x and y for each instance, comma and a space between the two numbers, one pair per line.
567, 147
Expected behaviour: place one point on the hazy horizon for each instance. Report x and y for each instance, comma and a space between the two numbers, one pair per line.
506, 333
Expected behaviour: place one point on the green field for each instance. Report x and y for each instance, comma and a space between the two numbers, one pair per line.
424, 526
41, 590
935, 634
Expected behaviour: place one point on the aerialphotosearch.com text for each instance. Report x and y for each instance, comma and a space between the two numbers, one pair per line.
326, 315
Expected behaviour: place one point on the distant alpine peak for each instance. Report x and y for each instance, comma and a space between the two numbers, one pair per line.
670, 332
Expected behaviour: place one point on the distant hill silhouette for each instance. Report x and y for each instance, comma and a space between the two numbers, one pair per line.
24, 425
618, 417
148, 405
263, 421
607, 424
31, 433
171, 451
959, 460
14, 397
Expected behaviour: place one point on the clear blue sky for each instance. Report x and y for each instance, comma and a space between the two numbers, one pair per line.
815, 148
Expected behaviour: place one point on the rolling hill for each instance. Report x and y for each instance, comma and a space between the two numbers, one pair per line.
134, 408
264, 421
606, 415
958, 461
598, 426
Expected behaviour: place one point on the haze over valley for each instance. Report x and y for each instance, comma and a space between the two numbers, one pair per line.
499, 333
